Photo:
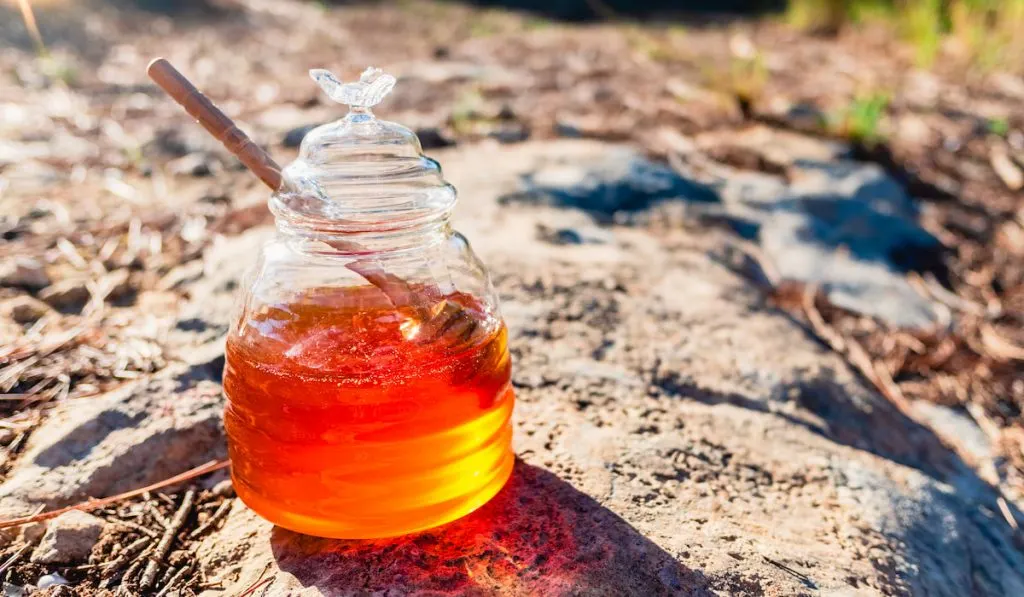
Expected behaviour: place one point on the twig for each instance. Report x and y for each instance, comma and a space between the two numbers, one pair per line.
999, 348
14, 558
873, 371
824, 331
174, 580
127, 578
168, 575
930, 288
848, 347
164, 546
14, 446
209, 467
803, 578
259, 581
221, 512
984, 422
257, 585
133, 549
139, 548
1007, 513
855, 354
135, 527
156, 514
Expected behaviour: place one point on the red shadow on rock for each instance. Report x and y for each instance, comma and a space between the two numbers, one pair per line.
538, 536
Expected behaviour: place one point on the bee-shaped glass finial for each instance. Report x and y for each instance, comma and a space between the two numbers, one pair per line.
367, 92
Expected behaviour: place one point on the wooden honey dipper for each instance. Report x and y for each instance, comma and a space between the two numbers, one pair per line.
215, 122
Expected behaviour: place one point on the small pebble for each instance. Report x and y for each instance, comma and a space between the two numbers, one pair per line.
24, 309
66, 293
51, 580
23, 272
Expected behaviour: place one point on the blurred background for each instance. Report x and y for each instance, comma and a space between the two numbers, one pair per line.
910, 216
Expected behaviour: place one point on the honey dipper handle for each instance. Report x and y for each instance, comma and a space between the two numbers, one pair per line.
215, 121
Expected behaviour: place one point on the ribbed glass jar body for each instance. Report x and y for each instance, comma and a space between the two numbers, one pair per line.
368, 393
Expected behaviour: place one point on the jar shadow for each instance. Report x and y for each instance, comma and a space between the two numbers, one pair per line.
538, 536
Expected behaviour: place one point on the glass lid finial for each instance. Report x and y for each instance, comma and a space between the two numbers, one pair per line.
373, 85
360, 171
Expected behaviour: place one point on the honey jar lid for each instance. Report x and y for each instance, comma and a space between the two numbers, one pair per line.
361, 173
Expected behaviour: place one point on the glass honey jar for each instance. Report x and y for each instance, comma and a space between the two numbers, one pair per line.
367, 372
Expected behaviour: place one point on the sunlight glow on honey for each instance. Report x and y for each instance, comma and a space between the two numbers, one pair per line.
341, 426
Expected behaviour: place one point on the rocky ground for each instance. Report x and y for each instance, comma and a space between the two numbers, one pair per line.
752, 356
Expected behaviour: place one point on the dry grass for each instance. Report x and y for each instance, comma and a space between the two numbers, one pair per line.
984, 33
97, 340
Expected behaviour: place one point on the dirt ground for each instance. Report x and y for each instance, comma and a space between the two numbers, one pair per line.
111, 199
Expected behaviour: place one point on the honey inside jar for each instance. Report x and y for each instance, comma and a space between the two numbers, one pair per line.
343, 424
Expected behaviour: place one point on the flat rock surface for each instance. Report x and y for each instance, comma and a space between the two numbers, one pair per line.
675, 435
126, 439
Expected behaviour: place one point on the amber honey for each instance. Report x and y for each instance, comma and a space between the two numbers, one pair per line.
344, 422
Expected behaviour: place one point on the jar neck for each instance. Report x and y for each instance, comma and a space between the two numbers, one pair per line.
381, 238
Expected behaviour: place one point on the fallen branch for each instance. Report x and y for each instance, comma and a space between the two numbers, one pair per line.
999, 348
164, 546
209, 467
127, 578
803, 578
260, 581
824, 331
129, 557
157, 516
133, 549
257, 585
848, 347
1004, 508
133, 526
14, 558
175, 579
221, 512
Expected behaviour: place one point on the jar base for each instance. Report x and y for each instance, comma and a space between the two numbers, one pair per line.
413, 521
